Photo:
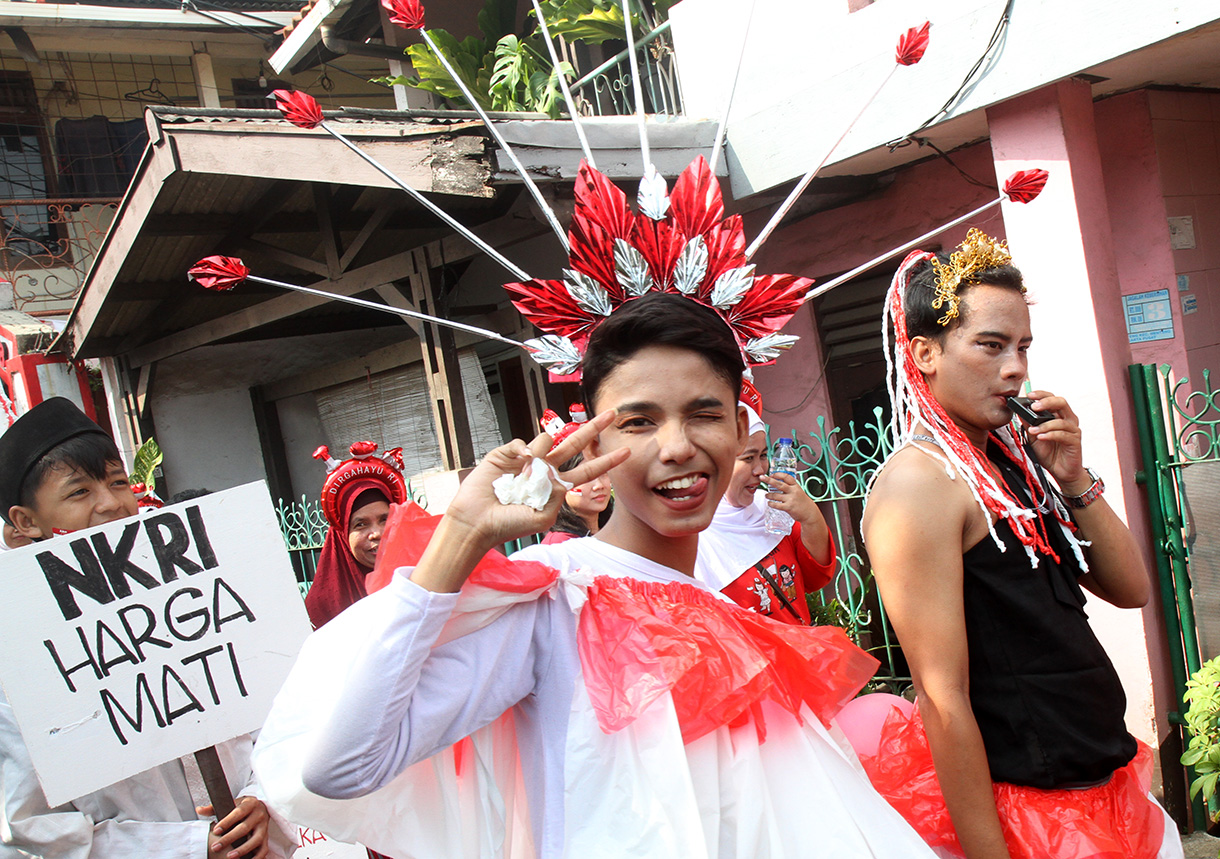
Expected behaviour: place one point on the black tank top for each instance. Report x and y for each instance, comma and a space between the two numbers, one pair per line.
1047, 699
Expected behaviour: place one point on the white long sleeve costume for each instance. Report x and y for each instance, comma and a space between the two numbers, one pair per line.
150, 815
381, 694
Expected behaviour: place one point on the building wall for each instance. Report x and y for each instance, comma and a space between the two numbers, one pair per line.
828, 243
302, 432
75, 85
209, 440
1186, 126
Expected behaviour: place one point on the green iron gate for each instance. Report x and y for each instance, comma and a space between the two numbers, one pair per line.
1179, 433
837, 468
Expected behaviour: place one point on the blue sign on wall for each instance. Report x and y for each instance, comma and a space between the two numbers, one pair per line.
1149, 316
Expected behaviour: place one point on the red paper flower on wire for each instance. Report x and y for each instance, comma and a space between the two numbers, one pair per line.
679, 242
299, 108
1025, 185
912, 44
405, 13
219, 273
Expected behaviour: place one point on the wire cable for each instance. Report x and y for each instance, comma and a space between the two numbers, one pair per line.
997, 35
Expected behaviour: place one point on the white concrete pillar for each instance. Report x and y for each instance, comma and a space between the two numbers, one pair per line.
205, 79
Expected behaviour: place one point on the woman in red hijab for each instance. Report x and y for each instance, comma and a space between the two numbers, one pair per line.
356, 498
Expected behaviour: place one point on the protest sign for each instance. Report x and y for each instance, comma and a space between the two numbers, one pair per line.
137, 642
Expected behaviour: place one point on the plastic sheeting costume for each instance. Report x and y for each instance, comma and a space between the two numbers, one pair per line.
649, 717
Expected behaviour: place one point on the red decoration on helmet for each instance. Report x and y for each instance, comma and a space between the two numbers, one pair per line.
750, 396
555, 426
363, 449
1025, 185
912, 44
218, 272
405, 13
299, 108
617, 256
385, 470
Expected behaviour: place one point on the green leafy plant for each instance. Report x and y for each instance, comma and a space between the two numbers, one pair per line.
512, 73
595, 21
148, 457
1203, 724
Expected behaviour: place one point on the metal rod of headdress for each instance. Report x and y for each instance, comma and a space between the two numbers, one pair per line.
465, 232
495, 132
637, 88
563, 85
911, 47
728, 105
397, 311
796, 192
876, 261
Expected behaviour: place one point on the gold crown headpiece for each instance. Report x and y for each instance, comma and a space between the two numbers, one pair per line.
977, 253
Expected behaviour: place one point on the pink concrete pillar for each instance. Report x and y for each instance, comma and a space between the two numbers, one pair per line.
1064, 246
1138, 218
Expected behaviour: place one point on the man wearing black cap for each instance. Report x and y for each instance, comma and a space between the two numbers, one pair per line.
60, 472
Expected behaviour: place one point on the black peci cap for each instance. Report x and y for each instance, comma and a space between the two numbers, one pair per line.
38, 431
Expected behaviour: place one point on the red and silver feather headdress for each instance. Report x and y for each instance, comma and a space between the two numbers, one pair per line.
678, 242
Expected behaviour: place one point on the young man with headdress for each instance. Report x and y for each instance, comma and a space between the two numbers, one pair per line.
982, 564
356, 498
644, 714
59, 473
767, 573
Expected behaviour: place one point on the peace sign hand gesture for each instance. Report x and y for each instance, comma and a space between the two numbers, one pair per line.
476, 521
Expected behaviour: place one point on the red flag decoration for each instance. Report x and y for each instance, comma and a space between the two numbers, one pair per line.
405, 13
1025, 185
219, 273
299, 108
912, 45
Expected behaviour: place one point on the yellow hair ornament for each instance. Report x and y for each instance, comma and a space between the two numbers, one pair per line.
976, 254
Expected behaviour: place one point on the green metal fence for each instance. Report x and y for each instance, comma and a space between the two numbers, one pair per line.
1179, 433
304, 527
838, 465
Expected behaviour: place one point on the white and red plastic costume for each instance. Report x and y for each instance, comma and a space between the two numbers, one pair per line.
649, 717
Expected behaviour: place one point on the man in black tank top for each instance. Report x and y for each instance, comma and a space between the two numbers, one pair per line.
980, 563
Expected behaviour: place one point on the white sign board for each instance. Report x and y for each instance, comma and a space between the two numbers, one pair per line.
312, 844
130, 644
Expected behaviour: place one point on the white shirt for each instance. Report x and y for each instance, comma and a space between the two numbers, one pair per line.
375, 705
148, 816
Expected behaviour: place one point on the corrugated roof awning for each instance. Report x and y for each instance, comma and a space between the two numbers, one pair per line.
295, 205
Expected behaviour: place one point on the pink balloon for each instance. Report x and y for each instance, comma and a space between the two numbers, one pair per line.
861, 719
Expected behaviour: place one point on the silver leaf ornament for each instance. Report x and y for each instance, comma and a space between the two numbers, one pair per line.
588, 294
631, 270
732, 285
653, 198
557, 354
768, 347
691, 267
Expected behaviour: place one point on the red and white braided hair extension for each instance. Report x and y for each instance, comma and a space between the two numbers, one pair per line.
915, 406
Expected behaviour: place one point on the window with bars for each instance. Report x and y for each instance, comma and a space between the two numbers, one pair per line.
27, 174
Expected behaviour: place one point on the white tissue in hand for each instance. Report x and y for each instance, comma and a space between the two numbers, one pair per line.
532, 486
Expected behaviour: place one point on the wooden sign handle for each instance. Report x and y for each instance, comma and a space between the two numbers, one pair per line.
215, 781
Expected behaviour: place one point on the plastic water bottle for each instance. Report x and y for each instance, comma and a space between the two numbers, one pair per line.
783, 461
